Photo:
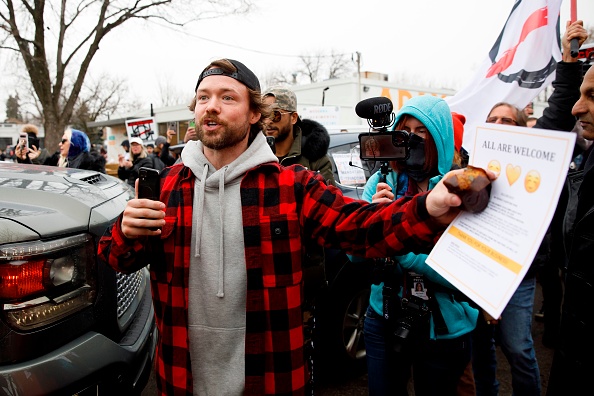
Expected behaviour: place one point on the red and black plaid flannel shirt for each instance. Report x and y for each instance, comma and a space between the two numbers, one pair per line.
281, 206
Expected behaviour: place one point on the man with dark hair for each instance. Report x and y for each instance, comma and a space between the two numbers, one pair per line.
572, 364
225, 259
296, 141
126, 146
162, 144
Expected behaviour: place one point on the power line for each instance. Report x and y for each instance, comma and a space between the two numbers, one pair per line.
170, 27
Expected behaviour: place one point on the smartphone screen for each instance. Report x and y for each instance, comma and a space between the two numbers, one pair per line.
24, 140
192, 124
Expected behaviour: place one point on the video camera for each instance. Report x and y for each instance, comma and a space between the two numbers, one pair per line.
379, 144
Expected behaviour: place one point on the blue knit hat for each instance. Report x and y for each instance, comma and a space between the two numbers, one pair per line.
79, 143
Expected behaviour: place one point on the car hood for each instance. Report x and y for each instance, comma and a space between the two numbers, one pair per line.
46, 201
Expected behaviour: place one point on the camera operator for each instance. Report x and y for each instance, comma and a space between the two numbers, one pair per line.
32, 153
416, 319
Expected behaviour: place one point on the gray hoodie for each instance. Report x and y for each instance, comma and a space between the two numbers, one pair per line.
217, 279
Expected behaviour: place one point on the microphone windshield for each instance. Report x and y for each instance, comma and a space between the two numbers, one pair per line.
374, 108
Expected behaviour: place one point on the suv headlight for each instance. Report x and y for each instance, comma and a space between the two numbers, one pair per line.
44, 281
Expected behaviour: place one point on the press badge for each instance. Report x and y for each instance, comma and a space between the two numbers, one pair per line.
416, 285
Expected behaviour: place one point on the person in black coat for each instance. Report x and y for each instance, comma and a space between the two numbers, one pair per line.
572, 363
75, 152
139, 157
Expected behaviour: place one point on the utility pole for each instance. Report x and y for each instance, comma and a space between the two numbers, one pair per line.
358, 76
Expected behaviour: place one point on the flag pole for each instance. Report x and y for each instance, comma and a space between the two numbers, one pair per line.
573, 16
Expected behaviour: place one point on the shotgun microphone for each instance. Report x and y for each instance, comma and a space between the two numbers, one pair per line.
377, 111
374, 107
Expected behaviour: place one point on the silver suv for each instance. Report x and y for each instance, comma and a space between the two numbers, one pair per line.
69, 324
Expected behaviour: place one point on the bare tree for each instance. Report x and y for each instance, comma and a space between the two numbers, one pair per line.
340, 65
278, 77
172, 95
100, 97
58, 40
313, 68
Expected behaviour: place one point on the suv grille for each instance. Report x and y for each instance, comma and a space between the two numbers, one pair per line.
128, 286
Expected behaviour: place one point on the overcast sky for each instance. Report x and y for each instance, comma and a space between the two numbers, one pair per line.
432, 42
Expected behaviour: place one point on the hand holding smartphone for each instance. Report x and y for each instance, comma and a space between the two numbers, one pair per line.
149, 185
24, 141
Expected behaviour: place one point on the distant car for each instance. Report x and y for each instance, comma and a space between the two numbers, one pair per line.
69, 324
340, 306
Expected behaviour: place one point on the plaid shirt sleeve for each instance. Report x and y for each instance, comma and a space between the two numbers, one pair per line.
169, 267
363, 229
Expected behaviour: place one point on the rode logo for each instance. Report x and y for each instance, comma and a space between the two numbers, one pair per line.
382, 108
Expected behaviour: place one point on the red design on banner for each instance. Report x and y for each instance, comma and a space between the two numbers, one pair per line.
537, 19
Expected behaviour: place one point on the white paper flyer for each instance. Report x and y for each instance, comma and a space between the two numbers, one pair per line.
486, 255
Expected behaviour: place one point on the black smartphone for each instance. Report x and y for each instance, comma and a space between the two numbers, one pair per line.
271, 143
149, 183
24, 140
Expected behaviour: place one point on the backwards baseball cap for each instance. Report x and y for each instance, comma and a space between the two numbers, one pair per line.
136, 140
285, 98
243, 75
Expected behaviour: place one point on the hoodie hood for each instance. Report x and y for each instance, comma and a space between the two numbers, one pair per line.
257, 153
79, 143
436, 115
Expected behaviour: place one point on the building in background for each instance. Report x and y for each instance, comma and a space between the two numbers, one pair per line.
331, 102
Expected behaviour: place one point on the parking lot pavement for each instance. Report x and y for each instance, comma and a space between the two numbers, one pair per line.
358, 386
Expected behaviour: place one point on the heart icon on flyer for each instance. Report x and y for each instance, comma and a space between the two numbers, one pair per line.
512, 173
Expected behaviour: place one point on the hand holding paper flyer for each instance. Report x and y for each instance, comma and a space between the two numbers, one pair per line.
486, 255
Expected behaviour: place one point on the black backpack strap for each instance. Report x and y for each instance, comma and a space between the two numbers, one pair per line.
439, 323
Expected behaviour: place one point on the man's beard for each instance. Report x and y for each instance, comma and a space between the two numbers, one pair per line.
229, 136
282, 133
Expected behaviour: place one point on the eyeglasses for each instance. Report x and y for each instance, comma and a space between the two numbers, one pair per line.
504, 120
276, 115
64, 141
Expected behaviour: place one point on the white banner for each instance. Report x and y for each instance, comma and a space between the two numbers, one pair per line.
518, 67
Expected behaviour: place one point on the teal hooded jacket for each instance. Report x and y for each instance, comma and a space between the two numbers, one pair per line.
459, 316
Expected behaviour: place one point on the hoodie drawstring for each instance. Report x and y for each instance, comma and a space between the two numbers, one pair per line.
200, 192
221, 287
200, 207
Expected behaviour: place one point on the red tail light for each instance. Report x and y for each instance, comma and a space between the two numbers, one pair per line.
44, 281
20, 280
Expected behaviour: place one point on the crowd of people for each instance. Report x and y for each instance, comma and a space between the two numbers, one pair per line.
248, 207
